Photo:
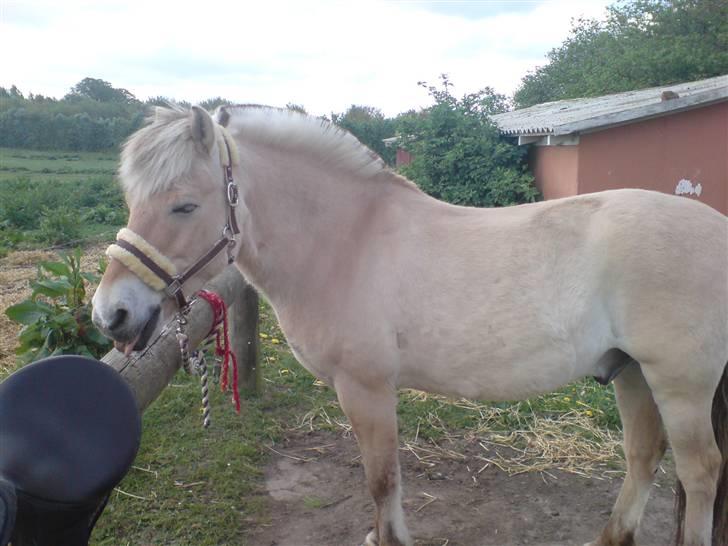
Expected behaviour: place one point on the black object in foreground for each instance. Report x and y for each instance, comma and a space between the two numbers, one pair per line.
69, 431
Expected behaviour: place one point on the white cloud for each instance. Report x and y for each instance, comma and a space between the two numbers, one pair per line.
325, 55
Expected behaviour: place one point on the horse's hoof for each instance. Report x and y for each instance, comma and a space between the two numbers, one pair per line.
371, 539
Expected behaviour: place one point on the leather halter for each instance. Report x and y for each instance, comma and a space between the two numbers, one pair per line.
157, 271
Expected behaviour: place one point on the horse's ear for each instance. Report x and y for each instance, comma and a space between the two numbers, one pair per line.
202, 128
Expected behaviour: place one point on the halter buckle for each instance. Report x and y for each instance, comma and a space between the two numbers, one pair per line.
173, 287
233, 195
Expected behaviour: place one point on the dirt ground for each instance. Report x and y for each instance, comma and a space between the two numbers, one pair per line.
317, 497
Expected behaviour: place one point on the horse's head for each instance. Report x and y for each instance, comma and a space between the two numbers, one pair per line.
177, 176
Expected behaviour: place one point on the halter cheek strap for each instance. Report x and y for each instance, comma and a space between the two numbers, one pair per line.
154, 268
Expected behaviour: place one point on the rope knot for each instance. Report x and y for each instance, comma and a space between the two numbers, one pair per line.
222, 344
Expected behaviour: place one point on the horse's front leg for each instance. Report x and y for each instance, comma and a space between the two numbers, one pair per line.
372, 411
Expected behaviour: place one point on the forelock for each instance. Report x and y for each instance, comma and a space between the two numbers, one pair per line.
158, 155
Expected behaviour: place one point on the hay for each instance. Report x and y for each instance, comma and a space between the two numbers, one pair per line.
569, 442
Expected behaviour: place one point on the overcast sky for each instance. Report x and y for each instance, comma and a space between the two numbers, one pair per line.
325, 55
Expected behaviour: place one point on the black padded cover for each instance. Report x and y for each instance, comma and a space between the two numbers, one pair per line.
69, 431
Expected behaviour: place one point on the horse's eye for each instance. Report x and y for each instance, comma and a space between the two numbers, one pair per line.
184, 209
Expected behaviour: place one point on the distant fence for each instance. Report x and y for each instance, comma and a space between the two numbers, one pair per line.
152, 372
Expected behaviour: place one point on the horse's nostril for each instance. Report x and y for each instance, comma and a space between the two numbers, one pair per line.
119, 318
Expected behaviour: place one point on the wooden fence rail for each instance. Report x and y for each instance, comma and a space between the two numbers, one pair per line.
150, 374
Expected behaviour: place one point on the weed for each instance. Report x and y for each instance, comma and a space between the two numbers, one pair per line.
59, 225
56, 318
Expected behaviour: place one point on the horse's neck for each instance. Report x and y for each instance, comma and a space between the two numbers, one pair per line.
302, 220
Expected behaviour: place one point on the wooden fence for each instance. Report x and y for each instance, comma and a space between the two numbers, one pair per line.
151, 373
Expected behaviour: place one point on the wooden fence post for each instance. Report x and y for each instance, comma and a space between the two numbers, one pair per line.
244, 338
149, 375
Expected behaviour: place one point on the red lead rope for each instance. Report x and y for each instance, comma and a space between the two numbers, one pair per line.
222, 343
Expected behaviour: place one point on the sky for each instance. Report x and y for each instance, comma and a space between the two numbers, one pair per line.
324, 55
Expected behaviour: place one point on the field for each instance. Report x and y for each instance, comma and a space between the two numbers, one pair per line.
57, 198
286, 471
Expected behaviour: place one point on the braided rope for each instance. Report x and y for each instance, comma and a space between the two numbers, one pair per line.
222, 345
200, 365
195, 363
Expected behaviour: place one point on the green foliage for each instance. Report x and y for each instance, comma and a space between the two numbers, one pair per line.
370, 126
93, 116
56, 318
46, 207
211, 104
642, 43
100, 90
459, 155
59, 225
296, 107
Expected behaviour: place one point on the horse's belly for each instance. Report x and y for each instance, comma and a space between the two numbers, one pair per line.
496, 376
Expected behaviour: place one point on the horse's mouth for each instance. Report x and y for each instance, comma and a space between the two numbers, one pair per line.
140, 341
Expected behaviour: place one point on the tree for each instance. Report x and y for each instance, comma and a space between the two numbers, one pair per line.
370, 126
642, 43
296, 107
459, 154
211, 104
100, 90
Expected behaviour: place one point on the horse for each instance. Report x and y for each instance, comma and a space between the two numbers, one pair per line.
378, 286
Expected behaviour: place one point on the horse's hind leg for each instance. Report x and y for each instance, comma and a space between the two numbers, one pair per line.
685, 401
644, 446
372, 411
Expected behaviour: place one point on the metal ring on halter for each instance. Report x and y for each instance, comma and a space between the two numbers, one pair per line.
233, 195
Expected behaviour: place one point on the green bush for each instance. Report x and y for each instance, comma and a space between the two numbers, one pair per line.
56, 318
51, 212
22, 200
59, 226
459, 155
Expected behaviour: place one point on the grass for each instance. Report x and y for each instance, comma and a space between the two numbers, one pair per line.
37, 165
56, 198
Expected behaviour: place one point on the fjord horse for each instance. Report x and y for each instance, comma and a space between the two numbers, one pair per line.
378, 286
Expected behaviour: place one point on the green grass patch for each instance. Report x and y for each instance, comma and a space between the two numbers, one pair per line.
45, 202
42, 165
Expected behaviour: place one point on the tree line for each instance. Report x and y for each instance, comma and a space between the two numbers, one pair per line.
640, 44
458, 154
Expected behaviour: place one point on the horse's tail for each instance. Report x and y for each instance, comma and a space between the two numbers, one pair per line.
720, 508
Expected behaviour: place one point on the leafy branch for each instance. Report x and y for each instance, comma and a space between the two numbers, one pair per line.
56, 318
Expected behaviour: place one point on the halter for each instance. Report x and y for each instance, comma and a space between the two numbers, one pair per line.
154, 268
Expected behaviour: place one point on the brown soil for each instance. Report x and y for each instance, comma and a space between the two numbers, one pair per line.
317, 497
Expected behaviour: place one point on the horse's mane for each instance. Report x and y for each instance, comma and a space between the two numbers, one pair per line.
163, 152
291, 130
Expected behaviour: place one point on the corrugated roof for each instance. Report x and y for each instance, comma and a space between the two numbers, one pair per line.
566, 117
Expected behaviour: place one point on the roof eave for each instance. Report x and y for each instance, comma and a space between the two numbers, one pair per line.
673, 106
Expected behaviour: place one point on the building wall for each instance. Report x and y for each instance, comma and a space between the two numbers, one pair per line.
684, 154
403, 157
555, 169
672, 154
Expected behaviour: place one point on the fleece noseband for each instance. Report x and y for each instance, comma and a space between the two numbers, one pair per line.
154, 268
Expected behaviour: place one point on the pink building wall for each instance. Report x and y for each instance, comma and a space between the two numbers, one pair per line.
685, 153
